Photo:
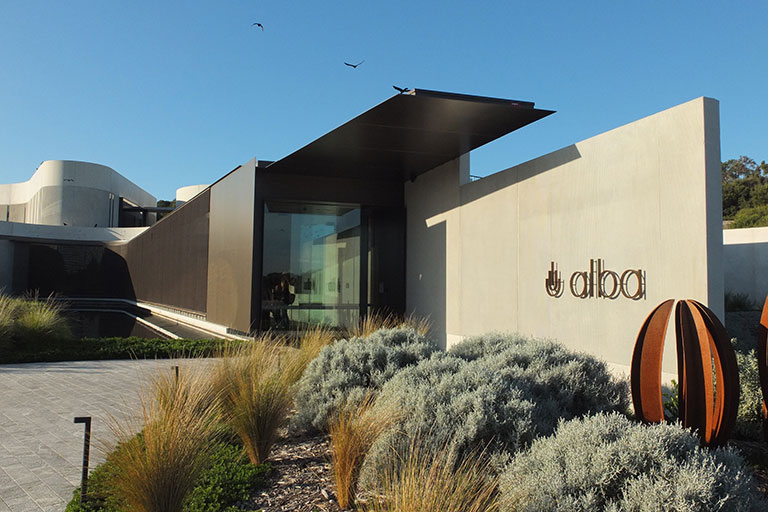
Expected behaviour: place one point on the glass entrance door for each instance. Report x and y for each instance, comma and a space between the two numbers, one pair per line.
311, 265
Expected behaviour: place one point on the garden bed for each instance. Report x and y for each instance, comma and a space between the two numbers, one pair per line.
300, 479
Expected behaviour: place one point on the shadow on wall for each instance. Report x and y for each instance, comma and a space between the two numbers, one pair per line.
74, 271
432, 286
514, 175
429, 290
745, 269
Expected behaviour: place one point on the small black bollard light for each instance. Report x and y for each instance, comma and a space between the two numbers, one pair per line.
86, 453
177, 373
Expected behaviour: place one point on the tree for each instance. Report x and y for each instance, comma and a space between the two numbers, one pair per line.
741, 169
745, 185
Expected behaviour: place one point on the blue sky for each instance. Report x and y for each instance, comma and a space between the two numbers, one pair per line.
171, 93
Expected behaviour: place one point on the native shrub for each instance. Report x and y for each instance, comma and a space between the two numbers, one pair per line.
475, 347
498, 402
749, 420
348, 369
606, 462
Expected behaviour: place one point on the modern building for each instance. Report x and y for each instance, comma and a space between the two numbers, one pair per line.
380, 214
68, 193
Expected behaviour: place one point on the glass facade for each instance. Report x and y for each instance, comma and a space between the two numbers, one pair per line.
311, 265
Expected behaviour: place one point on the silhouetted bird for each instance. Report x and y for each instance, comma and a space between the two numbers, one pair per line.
258, 25
401, 90
354, 65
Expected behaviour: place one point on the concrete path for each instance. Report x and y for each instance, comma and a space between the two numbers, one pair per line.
41, 449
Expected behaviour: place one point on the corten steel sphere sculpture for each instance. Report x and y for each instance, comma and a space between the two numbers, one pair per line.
762, 362
708, 403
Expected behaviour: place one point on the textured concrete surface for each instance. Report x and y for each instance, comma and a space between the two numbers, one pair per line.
644, 196
41, 448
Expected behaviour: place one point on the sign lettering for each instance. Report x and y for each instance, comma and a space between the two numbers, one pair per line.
597, 282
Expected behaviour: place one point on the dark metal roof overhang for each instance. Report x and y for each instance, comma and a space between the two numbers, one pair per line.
409, 134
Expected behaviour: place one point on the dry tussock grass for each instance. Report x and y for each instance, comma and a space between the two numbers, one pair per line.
353, 430
8, 310
156, 469
254, 393
425, 481
373, 322
311, 342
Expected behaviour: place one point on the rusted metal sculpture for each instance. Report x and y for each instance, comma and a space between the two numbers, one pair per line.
762, 363
708, 403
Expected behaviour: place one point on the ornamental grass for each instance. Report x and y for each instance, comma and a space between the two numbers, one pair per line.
353, 430
254, 393
8, 309
376, 321
425, 481
40, 319
295, 360
156, 469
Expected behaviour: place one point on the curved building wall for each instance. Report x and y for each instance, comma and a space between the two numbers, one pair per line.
65, 192
184, 194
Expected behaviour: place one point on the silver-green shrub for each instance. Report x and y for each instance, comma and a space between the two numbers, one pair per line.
608, 463
347, 369
749, 421
563, 383
496, 402
475, 347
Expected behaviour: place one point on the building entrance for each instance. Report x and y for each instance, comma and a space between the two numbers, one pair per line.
311, 265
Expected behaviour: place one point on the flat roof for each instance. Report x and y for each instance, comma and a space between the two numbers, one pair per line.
409, 134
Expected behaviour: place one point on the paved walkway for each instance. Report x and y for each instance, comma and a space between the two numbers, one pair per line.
41, 449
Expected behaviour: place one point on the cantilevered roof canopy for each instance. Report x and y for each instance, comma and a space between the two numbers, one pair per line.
408, 135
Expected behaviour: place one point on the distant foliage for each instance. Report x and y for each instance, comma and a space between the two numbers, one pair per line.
606, 462
750, 217
348, 369
745, 186
735, 301
499, 401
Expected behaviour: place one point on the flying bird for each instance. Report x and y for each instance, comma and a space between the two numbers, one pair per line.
401, 90
354, 65
258, 25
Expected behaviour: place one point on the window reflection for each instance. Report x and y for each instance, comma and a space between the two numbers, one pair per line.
311, 265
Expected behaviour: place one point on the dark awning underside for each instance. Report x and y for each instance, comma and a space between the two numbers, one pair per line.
408, 135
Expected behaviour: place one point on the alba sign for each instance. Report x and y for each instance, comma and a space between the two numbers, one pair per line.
598, 282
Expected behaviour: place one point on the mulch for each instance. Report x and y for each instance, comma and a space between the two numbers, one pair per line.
301, 478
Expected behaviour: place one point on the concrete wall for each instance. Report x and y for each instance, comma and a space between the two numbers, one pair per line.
645, 196
63, 192
33, 232
745, 256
